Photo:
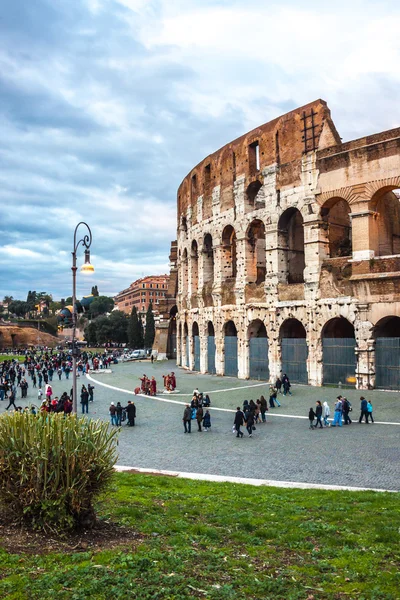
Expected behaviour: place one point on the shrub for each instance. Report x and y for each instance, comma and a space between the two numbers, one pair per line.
52, 467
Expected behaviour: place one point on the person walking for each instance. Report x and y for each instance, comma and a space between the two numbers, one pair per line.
11, 399
370, 408
90, 390
199, 417
113, 416
263, 409
118, 413
85, 400
318, 414
337, 420
364, 410
326, 411
238, 422
346, 409
286, 385
131, 413
207, 421
187, 419
311, 416
250, 423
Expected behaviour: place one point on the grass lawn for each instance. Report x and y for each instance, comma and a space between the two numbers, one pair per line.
4, 357
223, 541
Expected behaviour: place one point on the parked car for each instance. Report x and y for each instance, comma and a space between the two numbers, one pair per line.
137, 354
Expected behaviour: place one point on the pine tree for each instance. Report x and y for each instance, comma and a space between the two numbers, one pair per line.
141, 333
95, 291
150, 328
133, 329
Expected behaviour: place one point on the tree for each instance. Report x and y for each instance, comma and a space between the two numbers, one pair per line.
18, 308
90, 333
100, 306
141, 334
134, 337
62, 302
150, 328
119, 322
95, 291
68, 301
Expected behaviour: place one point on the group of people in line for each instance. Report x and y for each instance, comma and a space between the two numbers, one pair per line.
320, 416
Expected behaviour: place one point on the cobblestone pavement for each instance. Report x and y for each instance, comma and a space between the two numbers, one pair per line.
283, 449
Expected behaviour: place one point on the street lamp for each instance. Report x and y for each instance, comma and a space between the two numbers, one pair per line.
86, 269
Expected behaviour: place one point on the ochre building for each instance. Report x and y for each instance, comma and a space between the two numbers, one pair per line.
289, 256
141, 292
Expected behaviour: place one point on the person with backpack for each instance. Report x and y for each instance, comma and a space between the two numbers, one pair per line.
207, 420
346, 409
318, 414
370, 408
364, 410
311, 417
238, 422
118, 413
337, 420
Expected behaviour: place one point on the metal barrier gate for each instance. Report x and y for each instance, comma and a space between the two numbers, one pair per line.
339, 360
294, 359
258, 358
196, 344
211, 355
231, 361
387, 363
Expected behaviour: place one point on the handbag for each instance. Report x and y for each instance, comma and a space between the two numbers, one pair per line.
253, 428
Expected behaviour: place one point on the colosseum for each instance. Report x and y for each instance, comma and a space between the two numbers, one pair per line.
289, 256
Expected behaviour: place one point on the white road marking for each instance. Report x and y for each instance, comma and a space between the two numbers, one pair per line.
231, 410
255, 482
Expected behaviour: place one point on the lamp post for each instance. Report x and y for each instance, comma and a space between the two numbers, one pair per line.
86, 269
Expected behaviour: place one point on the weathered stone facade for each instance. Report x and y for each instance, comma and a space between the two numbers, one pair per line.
289, 236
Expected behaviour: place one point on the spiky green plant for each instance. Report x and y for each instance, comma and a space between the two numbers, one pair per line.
52, 467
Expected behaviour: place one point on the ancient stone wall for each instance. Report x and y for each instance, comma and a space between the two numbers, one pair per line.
291, 229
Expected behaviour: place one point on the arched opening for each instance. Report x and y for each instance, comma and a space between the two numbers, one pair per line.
255, 252
291, 243
194, 259
14, 340
258, 350
187, 349
338, 352
387, 353
185, 272
228, 254
171, 342
208, 259
231, 358
254, 198
336, 215
386, 235
196, 346
211, 348
294, 350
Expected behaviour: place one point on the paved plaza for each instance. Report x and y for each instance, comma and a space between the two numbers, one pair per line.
283, 449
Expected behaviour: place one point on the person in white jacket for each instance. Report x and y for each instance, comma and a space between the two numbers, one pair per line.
326, 413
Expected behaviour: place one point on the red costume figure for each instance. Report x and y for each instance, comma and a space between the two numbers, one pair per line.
166, 382
172, 381
143, 383
153, 386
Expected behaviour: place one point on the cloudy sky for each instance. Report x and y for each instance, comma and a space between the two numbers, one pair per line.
105, 105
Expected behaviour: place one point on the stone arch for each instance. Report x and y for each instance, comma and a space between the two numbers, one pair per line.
228, 253
208, 259
339, 357
258, 350
172, 333
14, 340
294, 350
387, 353
254, 196
291, 243
196, 346
256, 252
185, 272
230, 349
335, 214
211, 348
194, 263
386, 225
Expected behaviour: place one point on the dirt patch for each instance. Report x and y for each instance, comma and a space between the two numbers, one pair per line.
106, 535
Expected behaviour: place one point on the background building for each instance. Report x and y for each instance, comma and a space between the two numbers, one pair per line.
141, 292
289, 256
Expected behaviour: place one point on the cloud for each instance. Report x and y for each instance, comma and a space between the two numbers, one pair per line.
105, 109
